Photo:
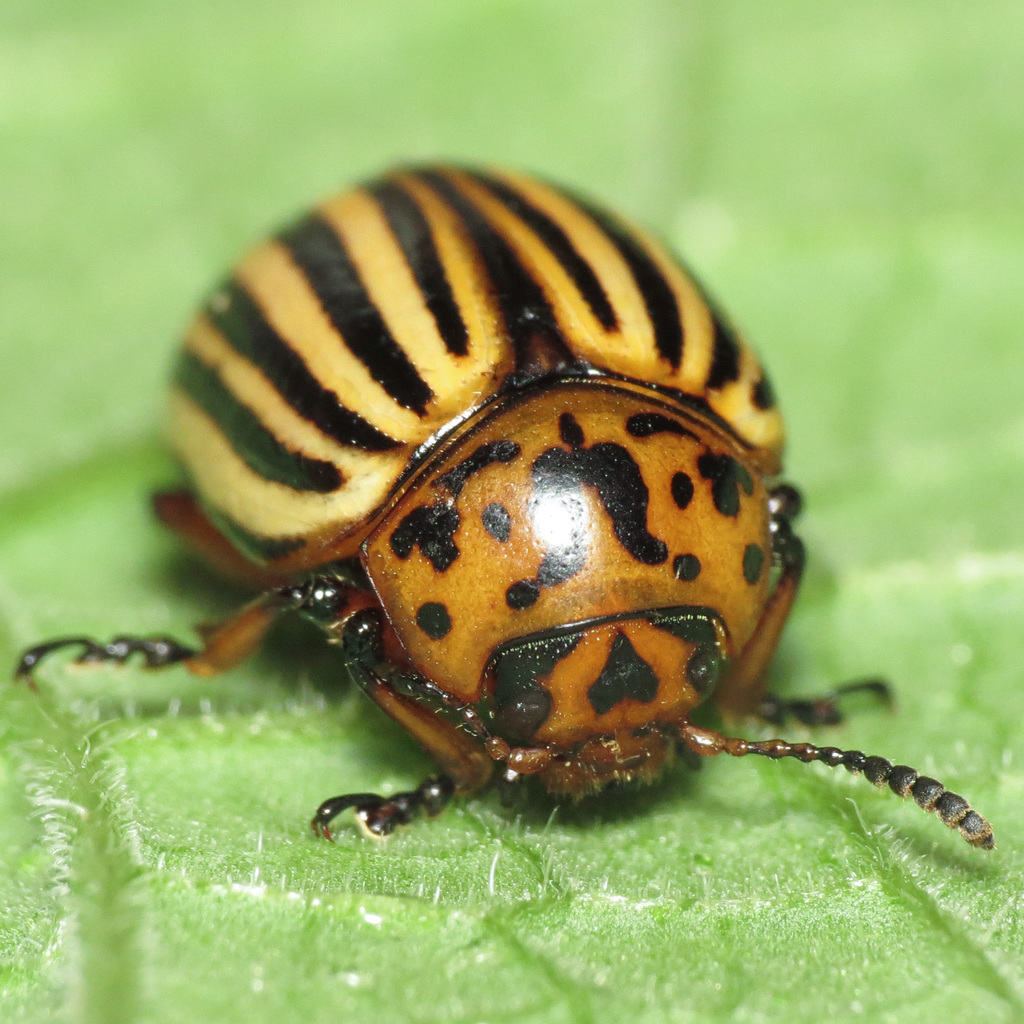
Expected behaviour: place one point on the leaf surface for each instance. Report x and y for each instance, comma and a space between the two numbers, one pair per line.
846, 178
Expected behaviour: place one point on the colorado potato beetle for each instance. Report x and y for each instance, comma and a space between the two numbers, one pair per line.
501, 446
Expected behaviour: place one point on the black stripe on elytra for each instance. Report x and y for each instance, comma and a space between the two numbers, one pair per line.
262, 549
657, 293
524, 307
725, 353
486, 455
763, 394
559, 244
261, 451
238, 318
413, 233
644, 424
321, 255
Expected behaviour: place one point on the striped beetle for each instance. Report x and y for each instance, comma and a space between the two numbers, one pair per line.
500, 445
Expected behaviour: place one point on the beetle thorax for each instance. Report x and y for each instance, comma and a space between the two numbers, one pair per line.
569, 553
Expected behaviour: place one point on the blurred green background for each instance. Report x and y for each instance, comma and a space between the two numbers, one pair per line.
847, 178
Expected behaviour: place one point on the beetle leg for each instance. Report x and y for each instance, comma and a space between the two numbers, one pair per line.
157, 651
903, 780
380, 815
466, 765
742, 691
224, 645
823, 710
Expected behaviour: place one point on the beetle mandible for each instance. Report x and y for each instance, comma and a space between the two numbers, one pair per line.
501, 446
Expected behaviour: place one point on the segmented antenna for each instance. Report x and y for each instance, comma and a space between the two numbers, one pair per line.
904, 781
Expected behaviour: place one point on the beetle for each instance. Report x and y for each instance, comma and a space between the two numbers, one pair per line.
503, 448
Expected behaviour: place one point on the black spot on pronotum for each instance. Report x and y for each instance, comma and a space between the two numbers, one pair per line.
434, 620
646, 424
686, 567
557, 499
486, 455
615, 475
727, 477
570, 430
682, 489
432, 528
753, 560
497, 521
562, 562
522, 594
625, 676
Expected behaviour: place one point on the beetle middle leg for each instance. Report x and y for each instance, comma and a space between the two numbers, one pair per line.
322, 598
743, 691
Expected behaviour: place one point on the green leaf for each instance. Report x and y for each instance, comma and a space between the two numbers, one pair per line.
846, 178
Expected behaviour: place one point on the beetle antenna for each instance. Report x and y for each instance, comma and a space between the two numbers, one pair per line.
904, 781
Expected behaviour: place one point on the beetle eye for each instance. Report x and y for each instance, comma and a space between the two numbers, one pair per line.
521, 704
703, 668
520, 720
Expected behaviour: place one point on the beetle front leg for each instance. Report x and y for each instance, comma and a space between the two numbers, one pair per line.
381, 815
465, 763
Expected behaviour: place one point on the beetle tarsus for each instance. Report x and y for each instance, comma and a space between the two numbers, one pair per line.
823, 710
157, 652
381, 815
